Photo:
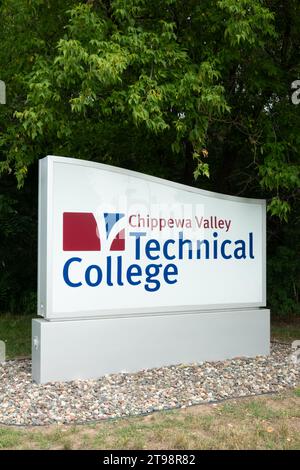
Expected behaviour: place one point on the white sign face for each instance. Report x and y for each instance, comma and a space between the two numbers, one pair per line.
115, 242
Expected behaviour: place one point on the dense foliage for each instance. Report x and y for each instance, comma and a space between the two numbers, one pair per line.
193, 91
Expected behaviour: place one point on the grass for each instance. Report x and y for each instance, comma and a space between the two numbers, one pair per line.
286, 331
268, 422
256, 423
16, 332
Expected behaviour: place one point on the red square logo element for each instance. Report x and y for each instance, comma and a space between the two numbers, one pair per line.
80, 232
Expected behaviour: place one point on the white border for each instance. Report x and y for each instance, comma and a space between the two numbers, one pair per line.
45, 243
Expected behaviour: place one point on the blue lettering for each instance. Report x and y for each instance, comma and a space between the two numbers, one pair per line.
240, 250
108, 277
152, 245
98, 276
170, 270
183, 242
66, 272
251, 253
137, 236
150, 279
119, 271
224, 243
215, 234
199, 245
165, 249
131, 274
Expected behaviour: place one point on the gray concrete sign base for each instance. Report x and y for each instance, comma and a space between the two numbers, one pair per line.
90, 348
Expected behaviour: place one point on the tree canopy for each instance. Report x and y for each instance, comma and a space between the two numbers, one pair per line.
193, 91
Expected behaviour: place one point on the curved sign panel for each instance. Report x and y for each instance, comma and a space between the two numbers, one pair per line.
114, 242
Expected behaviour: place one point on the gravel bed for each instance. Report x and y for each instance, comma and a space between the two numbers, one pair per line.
25, 403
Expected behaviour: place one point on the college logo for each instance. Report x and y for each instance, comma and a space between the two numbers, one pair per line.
84, 231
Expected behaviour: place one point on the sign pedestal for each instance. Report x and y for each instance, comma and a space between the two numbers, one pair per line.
90, 348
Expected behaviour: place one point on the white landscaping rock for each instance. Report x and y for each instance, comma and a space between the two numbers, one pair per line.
23, 402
